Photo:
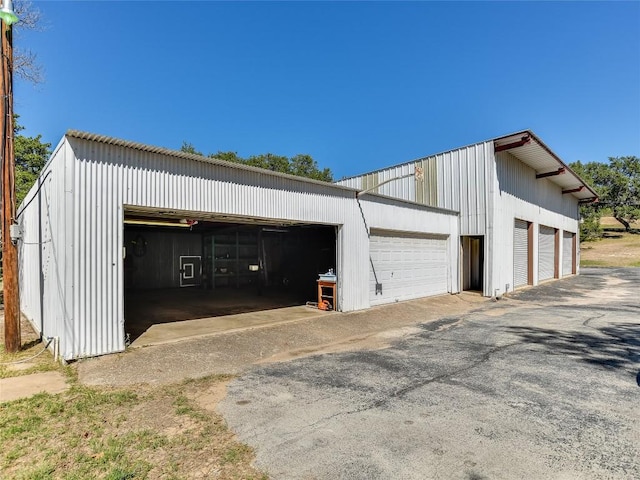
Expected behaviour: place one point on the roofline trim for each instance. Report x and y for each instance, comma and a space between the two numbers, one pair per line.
550, 152
492, 140
198, 158
410, 203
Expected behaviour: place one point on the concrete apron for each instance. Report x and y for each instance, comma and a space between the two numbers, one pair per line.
232, 352
163, 333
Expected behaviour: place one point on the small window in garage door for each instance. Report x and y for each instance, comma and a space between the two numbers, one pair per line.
405, 266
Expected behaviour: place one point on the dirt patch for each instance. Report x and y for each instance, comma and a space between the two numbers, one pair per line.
209, 397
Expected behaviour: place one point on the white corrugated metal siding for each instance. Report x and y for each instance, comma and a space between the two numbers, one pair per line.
546, 253
567, 253
489, 190
46, 287
518, 194
110, 177
459, 183
406, 266
95, 181
520, 253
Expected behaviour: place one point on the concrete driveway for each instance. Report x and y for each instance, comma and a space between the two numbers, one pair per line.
544, 384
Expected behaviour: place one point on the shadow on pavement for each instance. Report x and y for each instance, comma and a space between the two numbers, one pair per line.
610, 347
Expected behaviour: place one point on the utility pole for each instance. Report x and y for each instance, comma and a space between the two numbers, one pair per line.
12, 337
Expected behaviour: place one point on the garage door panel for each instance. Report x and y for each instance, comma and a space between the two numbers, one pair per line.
546, 253
408, 267
520, 253
567, 253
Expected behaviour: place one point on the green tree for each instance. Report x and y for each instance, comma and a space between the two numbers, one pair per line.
31, 153
269, 161
227, 156
300, 165
618, 186
305, 166
590, 213
189, 148
622, 189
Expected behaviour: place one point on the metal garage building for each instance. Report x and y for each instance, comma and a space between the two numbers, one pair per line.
518, 205
112, 223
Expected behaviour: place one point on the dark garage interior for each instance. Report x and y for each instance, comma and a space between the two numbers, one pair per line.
181, 269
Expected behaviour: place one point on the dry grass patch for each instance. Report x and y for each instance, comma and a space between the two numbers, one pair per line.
610, 222
620, 250
146, 433
22, 363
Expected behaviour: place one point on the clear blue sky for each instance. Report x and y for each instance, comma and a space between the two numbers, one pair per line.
358, 86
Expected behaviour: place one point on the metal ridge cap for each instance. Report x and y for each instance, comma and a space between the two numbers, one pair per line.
82, 135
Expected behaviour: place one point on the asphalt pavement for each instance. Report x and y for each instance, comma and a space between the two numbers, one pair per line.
543, 384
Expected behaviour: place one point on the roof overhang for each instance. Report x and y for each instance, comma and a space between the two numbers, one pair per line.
531, 151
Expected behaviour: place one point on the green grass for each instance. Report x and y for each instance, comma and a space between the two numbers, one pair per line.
593, 263
115, 434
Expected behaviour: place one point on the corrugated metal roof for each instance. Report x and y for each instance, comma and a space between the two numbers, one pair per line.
540, 157
198, 158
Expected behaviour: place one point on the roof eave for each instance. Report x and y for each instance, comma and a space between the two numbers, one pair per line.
587, 191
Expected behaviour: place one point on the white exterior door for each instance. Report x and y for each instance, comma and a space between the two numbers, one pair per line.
520, 253
406, 266
567, 253
546, 253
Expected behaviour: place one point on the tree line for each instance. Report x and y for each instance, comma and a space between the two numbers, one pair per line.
617, 184
301, 165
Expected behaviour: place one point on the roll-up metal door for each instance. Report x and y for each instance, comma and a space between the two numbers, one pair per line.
405, 266
567, 253
520, 253
546, 252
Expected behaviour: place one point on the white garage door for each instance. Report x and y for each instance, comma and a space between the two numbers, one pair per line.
546, 252
520, 253
567, 253
406, 266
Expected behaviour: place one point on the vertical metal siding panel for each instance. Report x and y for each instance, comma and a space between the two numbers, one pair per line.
41, 252
492, 222
137, 178
80, 283
520, 195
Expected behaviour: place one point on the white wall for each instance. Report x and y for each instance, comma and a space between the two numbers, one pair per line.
460, 180
518, 194
387, 214
45, 276
95, 182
